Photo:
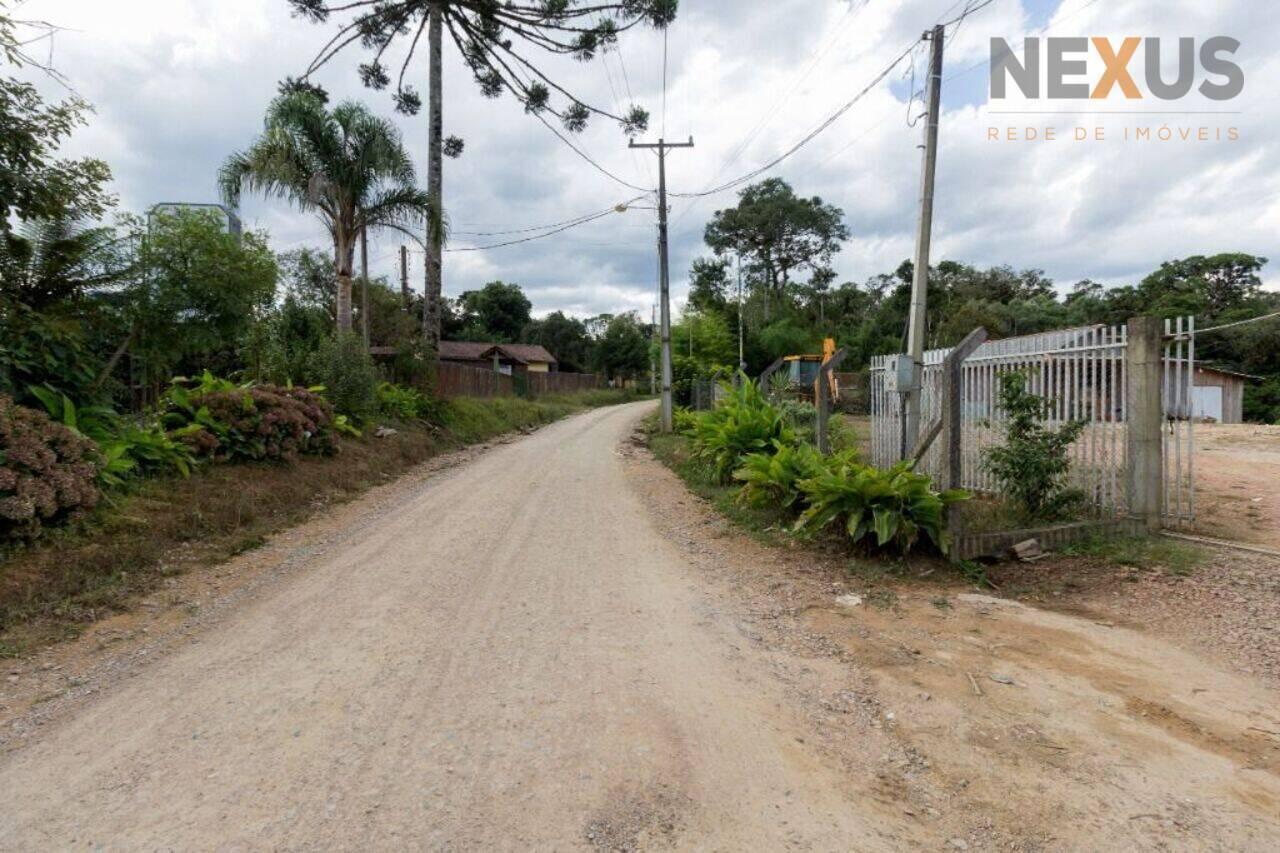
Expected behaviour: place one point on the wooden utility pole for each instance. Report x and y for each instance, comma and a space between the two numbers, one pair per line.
364, 287
404, 277
916, 327
664, 276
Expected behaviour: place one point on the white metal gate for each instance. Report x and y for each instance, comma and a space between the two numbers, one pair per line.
1083, 373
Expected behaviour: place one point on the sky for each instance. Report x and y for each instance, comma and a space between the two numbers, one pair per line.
179, 84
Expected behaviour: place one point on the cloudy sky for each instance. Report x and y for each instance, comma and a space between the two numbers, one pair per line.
178, 84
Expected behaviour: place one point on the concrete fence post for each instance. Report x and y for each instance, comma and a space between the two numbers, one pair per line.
1146, 419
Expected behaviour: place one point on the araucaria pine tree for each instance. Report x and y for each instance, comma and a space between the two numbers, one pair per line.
496, 39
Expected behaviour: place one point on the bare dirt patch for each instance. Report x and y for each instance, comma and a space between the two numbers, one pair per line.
1237, 478
1002, 725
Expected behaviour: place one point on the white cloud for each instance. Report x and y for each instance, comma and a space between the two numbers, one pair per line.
178, 84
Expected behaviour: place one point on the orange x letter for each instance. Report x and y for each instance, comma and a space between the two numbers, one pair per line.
1117, 67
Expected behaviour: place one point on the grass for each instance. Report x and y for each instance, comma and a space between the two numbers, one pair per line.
675, 451
1142, 552
165, 527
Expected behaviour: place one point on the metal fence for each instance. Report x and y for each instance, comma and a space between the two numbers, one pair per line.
1083, 374
1178, 436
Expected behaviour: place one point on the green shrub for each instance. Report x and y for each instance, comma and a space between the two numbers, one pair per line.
1032, 463
47, 472
250, 423
37, 349
772, 479
348, 375
801, 415
407, 404
683, 421
895, 504
127, 448
744, 422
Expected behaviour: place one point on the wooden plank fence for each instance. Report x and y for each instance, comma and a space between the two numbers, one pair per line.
464, 380
540, 384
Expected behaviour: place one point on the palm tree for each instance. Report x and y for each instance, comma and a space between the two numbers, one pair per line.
346, 165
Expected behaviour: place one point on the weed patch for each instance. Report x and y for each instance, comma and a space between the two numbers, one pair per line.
1142, 552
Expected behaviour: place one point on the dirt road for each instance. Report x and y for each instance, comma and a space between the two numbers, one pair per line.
513, 660
555, 646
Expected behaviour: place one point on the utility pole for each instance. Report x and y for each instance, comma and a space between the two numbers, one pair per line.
664, 274
920, 280
653, 356
742, 359
404, 277
364, 287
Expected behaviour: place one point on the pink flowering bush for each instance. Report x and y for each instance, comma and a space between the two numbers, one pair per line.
47, 472
230, 424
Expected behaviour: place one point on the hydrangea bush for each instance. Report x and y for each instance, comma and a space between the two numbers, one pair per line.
254, 423
47, 472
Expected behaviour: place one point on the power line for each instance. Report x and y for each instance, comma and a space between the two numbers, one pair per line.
558, 228
601, 169
1038, 32
631, 98
768, 115
532, 228
1198, 332
826, 123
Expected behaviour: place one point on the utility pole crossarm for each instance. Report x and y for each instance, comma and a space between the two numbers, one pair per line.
661, 144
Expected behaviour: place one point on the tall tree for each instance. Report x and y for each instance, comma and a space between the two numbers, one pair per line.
346, 165
777, 232
623, 349
564, 337
35, 185
498, 312
494, 39
709, 284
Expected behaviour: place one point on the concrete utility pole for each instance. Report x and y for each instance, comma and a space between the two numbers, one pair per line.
404, 277
664, 275
653, 356
364, 287
742, 360
916, 328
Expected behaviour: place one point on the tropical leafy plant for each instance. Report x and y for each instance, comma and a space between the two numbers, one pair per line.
772, 479
127, 448
1032, 463
895, 504
743, 422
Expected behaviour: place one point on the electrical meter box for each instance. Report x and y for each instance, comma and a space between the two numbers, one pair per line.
900, 374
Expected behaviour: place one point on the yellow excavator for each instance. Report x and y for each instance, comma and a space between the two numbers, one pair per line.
802, 372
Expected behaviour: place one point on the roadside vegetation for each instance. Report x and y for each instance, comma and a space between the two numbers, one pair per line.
756, 454
105, 555
172, 391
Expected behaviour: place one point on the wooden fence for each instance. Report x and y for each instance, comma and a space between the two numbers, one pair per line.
539, 384
463, 380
